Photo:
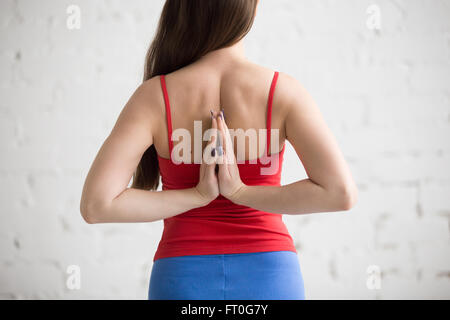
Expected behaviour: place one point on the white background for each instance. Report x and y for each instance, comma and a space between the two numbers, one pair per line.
385, 94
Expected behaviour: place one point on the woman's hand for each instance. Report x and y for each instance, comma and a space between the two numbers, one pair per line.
208, 185
230, 183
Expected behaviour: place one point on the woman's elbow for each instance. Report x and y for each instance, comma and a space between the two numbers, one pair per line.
90, 211
347, 197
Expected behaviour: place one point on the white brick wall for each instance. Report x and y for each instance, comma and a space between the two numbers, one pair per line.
385, 94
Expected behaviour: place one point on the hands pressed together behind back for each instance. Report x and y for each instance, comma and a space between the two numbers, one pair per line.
219, 152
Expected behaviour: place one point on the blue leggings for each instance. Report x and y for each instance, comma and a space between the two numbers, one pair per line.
273, 275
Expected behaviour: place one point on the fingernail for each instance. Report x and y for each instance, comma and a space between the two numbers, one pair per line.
223, 114
213, 152
212, 114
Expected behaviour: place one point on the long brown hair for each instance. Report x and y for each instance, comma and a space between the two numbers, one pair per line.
187, 30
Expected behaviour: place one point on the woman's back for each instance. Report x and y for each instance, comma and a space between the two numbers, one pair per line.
245, 91
239, 87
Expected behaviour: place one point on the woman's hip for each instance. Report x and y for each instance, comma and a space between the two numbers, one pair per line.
272, 275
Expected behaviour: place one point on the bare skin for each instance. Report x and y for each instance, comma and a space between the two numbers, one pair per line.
227, 79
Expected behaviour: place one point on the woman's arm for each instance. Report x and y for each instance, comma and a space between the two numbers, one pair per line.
106, 196
329, 187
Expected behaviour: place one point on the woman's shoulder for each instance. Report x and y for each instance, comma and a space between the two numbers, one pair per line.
148, 98
151, 91
288, 90
288, 86
287, 83
151, 84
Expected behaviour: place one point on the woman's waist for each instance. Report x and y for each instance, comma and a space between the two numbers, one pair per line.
223, 226
219, 232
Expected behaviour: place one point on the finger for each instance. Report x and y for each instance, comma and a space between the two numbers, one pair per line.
227, 142
210, 167
214, 132
209, 153
223, 157
224, 123
222, 133
220, 145
202, 171
211, 149
224, 170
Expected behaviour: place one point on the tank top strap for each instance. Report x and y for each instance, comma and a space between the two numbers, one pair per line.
269, 111
168, 113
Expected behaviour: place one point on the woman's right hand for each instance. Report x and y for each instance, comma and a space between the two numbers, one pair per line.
230, 183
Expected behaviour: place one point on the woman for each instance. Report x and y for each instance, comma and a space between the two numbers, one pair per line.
223, 236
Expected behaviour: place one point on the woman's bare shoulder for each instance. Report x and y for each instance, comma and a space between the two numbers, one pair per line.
290, 91
146, 103
149, 94
150, 86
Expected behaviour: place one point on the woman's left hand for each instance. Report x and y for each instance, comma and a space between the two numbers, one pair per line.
208, 185
230, 183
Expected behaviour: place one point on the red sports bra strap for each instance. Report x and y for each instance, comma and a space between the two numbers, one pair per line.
168, 115
269, 111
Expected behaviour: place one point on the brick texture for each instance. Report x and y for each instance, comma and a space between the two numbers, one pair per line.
385, 94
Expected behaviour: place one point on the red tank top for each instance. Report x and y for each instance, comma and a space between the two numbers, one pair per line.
221, 226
